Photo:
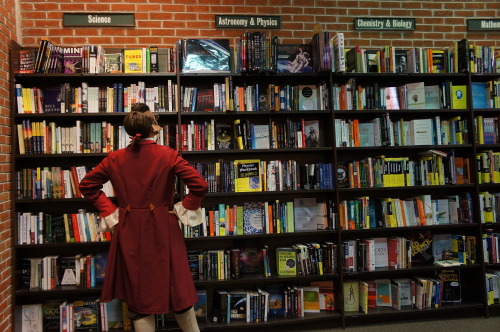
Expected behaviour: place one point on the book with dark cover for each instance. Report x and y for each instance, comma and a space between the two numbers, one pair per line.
205, 100
276, 300
52, 99
101, 260
294, 58
50, 313
58, 233
223, 136
200, 307
67, 270
421, 247
400, 60
251, 261
452, 288
205, 56
194, 263
238, 305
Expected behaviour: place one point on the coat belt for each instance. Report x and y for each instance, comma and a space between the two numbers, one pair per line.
151, 208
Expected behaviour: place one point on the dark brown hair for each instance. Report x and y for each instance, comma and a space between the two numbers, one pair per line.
136, 122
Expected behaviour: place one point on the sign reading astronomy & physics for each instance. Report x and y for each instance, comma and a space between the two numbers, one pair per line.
247, 21
98, 20
384, 23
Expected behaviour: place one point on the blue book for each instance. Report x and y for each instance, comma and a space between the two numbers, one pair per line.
479, 95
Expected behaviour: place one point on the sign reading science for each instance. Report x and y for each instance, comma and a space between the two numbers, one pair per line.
384, 23
98, 20
247, 21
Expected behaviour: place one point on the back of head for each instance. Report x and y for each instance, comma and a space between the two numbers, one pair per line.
137, 123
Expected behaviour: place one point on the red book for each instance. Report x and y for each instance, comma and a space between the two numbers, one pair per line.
76, 229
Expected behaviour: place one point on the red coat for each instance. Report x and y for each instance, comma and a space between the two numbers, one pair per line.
147, 261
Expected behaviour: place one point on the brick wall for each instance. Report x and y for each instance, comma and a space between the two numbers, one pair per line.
162, 23
7, 33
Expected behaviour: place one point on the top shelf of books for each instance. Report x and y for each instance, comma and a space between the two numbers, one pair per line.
257, 53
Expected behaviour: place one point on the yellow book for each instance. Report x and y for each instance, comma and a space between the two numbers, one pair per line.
238, 134
389, 212
487, 208
363, 297
132, 61
496, 168
480, 129
286, 261
459, 97
20, 138
247, 175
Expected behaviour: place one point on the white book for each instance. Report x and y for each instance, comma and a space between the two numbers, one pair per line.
381, 253
416, 95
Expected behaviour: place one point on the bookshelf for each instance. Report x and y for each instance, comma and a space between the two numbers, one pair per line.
330, 150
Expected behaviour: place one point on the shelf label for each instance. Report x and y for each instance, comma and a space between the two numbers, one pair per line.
247, 21
384, 23
98, 20
491, 24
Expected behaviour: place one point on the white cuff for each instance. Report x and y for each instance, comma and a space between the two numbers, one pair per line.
189, 218
108, 224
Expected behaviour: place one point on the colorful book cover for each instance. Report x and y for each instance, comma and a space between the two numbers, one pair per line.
72, 60
441, 246
251, 261
294, 58
383, 292
311, 298
113, 62
326, 294
86, 315
238, 305
247, 175
459, 97
452, 288
252, 218
276, 301
132, 61
286, 261
421, 247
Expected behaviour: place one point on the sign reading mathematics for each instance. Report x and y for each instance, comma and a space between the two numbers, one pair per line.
384, 23
483, 24
98, 20
247, 21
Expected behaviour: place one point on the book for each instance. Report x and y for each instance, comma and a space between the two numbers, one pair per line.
459, 97
238, 305
479, 95
86, 314
72, 60
223, 136
252, 218
381, 252
113, 313
200, 307
433, 97
391, 98
294, 58
247, 175
286, 261
416, 95
441, 246
452, 287
311, 298
312, 134
326, 294
251, 261
421, 247
383, 292
133, 61
50, 313
29, 318
400, 61
204, 100
308, 97
113, 63
304, 214
276, 300
205, 56
351, 295
260, 136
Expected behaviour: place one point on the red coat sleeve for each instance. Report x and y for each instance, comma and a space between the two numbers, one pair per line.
91, 186
196, 184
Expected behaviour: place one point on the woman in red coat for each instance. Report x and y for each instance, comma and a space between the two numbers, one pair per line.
147, 261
